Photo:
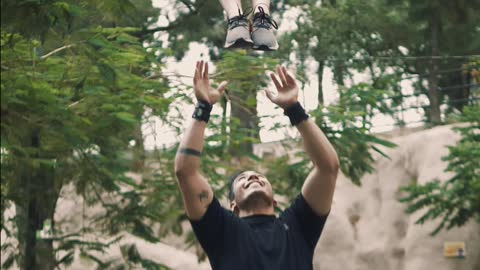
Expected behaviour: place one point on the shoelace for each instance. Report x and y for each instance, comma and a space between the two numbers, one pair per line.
240, 20
265, 20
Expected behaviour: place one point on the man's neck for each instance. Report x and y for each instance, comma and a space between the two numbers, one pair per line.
257, 211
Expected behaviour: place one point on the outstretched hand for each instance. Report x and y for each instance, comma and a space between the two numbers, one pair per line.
201, 85
287, 89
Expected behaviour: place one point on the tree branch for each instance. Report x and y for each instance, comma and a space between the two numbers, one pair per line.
193, 12
189, 5
43, 57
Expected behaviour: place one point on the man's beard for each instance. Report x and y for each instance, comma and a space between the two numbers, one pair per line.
256, 200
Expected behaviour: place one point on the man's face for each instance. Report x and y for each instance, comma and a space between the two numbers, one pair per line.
250, 184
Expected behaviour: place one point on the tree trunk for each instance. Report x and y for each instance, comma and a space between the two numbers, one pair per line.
434, 113
247, 126
321, 65
339, 74
36, 205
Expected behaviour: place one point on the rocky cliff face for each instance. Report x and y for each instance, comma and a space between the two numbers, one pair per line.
367, 227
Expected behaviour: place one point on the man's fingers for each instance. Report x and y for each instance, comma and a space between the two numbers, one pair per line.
200, 69
196, 75
205, 72
281, 75
222, 87
290, 79
275, 81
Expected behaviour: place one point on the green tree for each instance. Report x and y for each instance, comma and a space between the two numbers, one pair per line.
210, 29
335, 34
247, 76
75, 83
346, 124
345, 36
429, 41
457, 200
437, 32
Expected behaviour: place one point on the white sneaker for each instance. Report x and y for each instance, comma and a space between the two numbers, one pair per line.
238, 33
262, 32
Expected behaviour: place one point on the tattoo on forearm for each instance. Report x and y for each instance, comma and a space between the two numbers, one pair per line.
203, 196
189, 151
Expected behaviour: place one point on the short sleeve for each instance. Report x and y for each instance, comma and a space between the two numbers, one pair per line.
210, 228
302, 216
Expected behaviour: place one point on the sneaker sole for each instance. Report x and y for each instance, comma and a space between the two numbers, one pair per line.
240, 44
265, 48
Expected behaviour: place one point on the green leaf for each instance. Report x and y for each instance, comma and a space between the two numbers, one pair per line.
98, 42
376, 149
107, 72
125, 116
124, 38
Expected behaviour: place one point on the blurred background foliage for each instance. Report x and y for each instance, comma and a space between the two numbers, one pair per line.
81, 79
457, 200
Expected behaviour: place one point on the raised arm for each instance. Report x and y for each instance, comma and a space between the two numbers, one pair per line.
319, 186
196, 192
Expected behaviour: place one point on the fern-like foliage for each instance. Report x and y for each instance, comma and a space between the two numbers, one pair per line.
456, 201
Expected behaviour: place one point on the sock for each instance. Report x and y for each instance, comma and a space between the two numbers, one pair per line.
231, 7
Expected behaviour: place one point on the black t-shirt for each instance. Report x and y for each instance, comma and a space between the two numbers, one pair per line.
260, 242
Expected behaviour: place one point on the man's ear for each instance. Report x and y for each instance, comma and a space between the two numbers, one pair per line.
275, 203
234, 208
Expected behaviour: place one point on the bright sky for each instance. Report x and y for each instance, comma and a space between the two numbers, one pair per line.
158, 135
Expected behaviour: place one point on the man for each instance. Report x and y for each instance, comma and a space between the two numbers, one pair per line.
239, 33
250, 236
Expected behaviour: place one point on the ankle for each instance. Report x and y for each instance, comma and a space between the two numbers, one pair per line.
262, 8
233, 14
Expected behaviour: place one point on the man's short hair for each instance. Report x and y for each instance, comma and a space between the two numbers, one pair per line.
231, 192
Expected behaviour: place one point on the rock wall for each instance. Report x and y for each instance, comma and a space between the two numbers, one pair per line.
367, 227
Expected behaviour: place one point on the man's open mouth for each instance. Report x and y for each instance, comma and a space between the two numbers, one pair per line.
252, 182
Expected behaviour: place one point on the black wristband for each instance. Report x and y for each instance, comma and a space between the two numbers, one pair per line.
202, 111
296, 113
189, 151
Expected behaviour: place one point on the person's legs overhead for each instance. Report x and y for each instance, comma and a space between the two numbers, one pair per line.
238, 33
232, 7
265, 4
262, 28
